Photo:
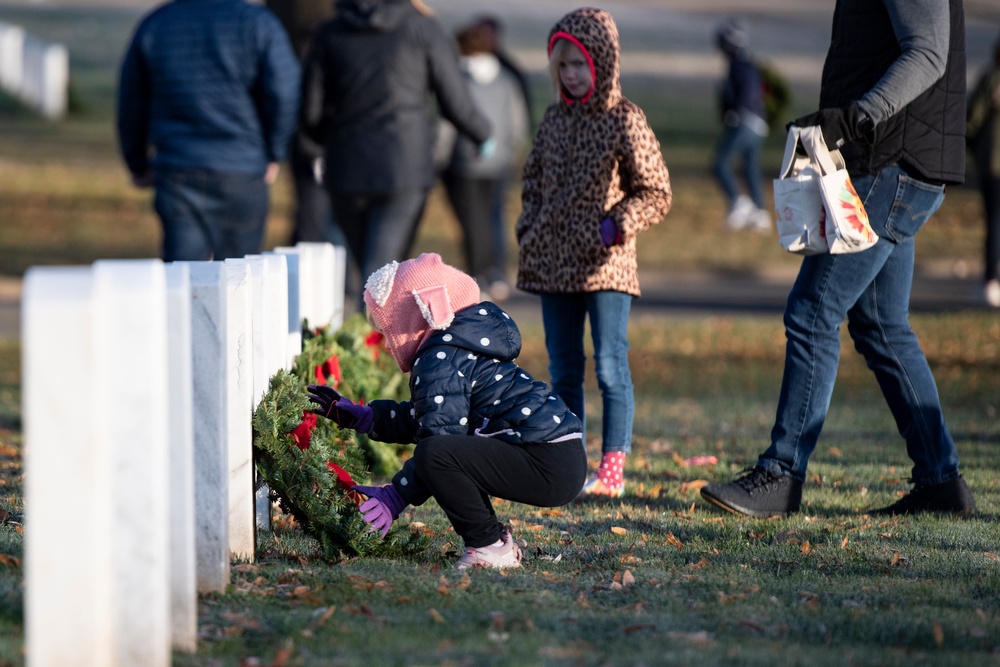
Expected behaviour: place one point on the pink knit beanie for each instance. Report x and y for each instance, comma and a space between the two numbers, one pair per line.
408, 300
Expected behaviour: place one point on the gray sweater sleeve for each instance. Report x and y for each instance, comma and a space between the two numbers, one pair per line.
922, 31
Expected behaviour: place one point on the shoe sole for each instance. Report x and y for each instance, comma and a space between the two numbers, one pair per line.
743, 511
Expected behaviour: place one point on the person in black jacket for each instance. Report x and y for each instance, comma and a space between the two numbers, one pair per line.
893, 101
364, 97
483, 426
313, 220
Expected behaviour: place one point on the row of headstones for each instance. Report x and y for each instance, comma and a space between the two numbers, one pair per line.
34, 71
139, 379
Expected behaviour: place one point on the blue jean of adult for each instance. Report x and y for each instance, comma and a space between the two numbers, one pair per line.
872, 289
742, 142
563, 316
210, 215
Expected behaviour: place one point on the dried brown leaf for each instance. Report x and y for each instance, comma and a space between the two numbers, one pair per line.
938, 633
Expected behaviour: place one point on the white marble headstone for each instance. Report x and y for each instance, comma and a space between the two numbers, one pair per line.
294, 300
183, 573
239, 408
208, 337
68, 466
323, 257
131, 318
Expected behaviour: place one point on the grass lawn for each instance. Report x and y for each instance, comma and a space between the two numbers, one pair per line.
658, 577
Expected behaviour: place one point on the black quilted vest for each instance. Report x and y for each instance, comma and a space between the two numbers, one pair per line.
927, 137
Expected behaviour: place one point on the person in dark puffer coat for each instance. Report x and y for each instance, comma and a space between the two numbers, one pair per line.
366, 88
483, 426
207, 99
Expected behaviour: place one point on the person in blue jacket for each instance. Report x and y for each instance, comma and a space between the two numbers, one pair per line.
482, 425
207, 103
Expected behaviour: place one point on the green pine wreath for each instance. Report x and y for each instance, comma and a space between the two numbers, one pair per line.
310, 464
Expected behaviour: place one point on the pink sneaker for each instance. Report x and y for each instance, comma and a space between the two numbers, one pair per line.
504, 554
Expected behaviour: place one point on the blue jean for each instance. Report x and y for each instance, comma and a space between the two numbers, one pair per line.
210, 215
742, 142
872, 289
563, 317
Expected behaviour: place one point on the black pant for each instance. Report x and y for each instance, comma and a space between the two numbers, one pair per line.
463, 471
990, 188
313, 218
485, 250
379, 227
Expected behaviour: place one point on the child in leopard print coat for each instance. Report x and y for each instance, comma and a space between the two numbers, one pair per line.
594, 179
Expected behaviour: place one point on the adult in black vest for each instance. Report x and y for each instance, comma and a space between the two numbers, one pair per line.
893, 101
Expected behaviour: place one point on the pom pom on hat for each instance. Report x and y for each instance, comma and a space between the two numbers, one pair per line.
408, 300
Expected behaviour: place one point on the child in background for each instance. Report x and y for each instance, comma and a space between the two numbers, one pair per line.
594, 179
482, 425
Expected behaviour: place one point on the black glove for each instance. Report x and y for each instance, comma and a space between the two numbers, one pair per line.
839, 126
342, 411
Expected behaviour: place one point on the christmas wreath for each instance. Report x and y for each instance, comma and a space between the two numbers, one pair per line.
310, 464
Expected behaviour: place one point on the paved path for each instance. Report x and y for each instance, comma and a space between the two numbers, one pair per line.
700, 294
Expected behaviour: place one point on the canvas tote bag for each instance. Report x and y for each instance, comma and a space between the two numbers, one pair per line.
847, 227
798, 203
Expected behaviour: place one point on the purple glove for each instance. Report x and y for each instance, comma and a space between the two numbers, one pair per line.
343, 411
610, 234
382, 507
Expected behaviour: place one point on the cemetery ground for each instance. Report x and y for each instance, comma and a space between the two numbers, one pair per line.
657, 577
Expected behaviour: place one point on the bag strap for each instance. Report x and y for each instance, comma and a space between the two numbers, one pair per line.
815, 145
790, 144
793, 163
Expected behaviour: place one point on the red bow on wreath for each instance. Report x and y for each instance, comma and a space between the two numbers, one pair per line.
329, 368
346, 482
302, 434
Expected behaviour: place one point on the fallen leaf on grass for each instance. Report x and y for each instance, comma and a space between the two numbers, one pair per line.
581, 650
673, 541
704, 562
895, 559
435, 615
283, 655
700, 638
843, 544
693, 485
242, 621
753, 625
700, 461
992, 556
581, 601
938, 633
10, 560
618, 530
638, 627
